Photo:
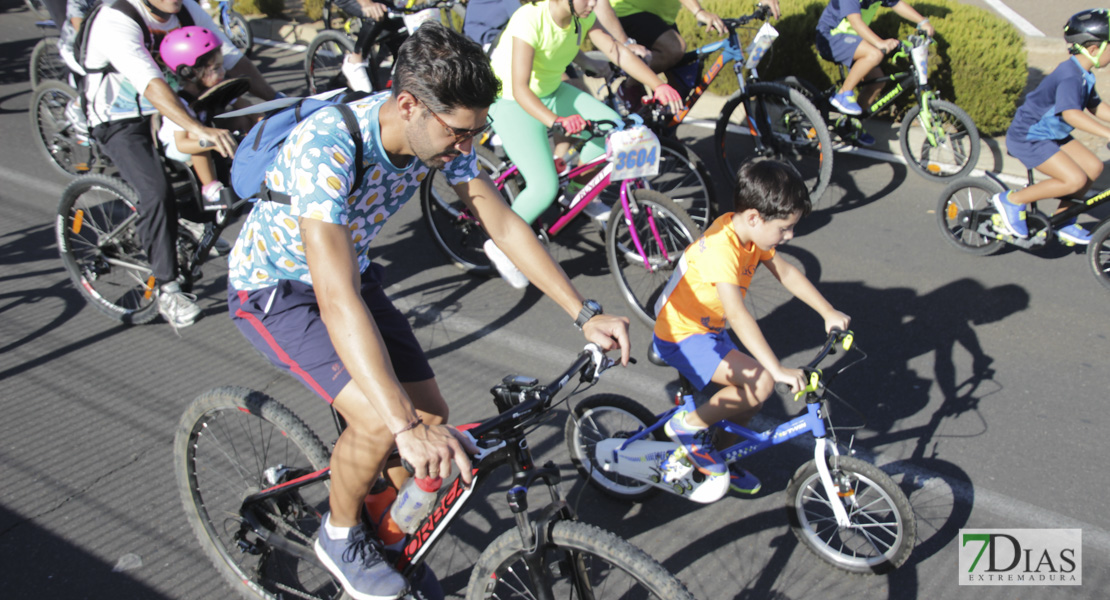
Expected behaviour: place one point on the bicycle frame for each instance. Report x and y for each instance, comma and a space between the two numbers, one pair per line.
981, 220
518, 400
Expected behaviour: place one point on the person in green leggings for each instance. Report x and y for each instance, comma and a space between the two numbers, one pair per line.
538, 44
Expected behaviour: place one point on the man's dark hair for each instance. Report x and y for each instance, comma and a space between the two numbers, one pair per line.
445, 70
773, 188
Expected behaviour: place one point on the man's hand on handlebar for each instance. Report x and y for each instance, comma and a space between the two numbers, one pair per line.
221, 139
609, 332
373, 10
711, 21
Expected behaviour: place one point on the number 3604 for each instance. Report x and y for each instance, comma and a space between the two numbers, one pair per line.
635, 158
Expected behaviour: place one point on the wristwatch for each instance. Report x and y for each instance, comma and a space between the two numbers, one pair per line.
590, 308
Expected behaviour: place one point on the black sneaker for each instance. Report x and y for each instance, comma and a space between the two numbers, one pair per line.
358, 564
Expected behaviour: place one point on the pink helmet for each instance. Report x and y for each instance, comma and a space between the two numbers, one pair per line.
182, 47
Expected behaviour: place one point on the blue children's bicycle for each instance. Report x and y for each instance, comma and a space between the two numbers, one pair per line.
236, 28
847, 511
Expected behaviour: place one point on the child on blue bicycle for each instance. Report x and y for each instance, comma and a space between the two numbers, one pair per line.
707, 290
1040, 135
844, 36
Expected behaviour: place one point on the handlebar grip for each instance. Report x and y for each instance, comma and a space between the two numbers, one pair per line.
782, 389
206, 144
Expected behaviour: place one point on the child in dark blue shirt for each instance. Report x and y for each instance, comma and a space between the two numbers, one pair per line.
844, 36
1040, 135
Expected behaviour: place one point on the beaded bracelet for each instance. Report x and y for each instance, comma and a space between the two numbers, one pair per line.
417, 422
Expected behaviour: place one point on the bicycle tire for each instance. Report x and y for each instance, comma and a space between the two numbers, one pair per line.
639, 286
379, 65
812, 520
627, 572
100, 247
1098, 253
457, 233
213, 481
968, 193
957, 150
789, 128
606, 416
323, 61
55, 136
238, 30
46, 63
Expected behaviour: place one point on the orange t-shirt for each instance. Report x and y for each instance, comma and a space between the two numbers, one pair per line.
690, 304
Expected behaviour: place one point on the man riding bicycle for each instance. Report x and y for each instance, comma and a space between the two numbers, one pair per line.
303, 290
125, 86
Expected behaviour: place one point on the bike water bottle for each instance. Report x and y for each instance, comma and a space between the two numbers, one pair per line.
378, 504
415, 501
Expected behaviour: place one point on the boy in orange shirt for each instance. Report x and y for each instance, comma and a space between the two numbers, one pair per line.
707, 290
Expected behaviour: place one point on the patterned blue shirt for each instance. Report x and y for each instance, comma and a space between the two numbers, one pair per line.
314, 168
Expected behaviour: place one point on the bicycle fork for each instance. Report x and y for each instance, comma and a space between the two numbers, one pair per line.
832, 488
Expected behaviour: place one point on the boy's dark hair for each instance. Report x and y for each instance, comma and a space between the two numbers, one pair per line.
445, 70
773, 188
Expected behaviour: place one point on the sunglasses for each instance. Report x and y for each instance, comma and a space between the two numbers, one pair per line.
461, 135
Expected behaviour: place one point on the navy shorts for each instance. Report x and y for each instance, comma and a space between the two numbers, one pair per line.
645, 27
697, 356
283, 322
1033, 153
839, 48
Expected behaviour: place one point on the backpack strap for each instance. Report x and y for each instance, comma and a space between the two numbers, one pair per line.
265, 194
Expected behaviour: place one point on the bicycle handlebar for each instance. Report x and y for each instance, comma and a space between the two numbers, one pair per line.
760, 14
813, 383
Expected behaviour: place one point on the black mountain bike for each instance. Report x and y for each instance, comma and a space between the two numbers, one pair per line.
254, 483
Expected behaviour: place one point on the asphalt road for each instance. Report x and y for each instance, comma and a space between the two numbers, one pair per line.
982, 393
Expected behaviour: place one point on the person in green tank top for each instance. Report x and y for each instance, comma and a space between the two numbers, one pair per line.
538, 44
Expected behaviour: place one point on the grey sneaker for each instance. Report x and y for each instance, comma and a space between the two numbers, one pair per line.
221, 247
358, 564
176, 307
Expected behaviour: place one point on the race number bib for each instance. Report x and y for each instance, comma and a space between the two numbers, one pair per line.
415, 20
634, 152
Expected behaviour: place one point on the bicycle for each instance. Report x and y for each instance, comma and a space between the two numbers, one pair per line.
938, 139
969, 222
379, 45
846, 511
235, 27
61, 131
46, 62
779, 122
99, 244
645, 232
254, 479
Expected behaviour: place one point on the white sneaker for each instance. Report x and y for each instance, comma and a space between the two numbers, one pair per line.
504, 266
220, 248
357, 78
176, 307
597, 211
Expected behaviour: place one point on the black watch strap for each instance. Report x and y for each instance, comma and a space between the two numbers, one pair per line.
590, 309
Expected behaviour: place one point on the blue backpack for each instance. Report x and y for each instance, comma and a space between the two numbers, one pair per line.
257, 151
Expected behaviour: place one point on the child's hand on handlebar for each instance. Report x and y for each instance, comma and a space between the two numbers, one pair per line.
836, 320
774, 6
795, 379
667, 95
572, 124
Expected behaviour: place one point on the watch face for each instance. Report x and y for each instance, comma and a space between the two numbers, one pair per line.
592, 305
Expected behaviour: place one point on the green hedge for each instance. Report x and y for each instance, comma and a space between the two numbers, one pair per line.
270, 8
314, 9
978, 60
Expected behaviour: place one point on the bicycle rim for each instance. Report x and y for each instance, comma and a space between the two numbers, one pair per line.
663, 231
234, 442
580, 562
958, 202
100, 247
941, 146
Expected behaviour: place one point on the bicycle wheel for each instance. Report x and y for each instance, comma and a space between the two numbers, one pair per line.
379, 64
100, 247
46, 63
232, 442
238, 31
946, 149
455, 230
37, 8
324, 59
580, 561
601, 417
55, 135
957, 202
683, 178
1098, 253
783, 125
882, 530
641, 276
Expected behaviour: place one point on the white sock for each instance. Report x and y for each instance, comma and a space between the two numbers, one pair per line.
335, 533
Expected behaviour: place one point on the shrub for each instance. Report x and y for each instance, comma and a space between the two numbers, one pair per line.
978, 60
270, 8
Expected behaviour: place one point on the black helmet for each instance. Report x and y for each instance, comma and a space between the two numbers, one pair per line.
1087, 26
